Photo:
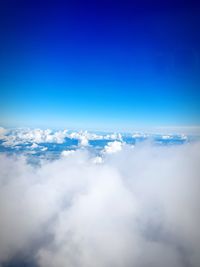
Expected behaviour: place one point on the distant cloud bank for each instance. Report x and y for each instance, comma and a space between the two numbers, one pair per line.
34, 137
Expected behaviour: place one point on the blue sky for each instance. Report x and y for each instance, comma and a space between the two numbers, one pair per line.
100, 64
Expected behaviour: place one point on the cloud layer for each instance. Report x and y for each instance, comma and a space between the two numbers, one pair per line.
136, 207
16, 138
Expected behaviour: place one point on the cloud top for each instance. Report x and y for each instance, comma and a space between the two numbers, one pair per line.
35, 139
137, 207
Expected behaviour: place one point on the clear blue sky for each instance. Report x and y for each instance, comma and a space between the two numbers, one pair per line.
99, 64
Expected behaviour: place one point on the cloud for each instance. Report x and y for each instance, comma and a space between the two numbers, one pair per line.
113, 136
139, 207
17, 138
86, 134
34, 145
113, 147
139, 135
66, 153
171, 137
83, 141
3, 133
24, 136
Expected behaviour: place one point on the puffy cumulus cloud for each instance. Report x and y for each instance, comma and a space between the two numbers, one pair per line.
83, 141
17, 137
66, 153
172, 136
84, 137
93, 136
24, 136
113, 136
113, 147
85, 134
3, 133
140, 135
139, 207
35, 147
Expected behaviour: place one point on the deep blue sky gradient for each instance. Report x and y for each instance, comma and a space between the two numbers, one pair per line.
100, 64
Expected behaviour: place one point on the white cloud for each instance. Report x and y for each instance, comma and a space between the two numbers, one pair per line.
182, 137
34, 145
86, 134
66, 153
93, 136
37, 136
83, 141
3, 133
139, 207
113, 136
97, 160
139, 135
113, 147
18, 137
44, 148
167, 137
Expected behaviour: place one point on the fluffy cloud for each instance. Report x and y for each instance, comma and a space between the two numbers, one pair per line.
171, 137
83, 141
139, 135
66, 153
23, 136
138, 207
85, 134
15, 138
3, 133
113, 147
